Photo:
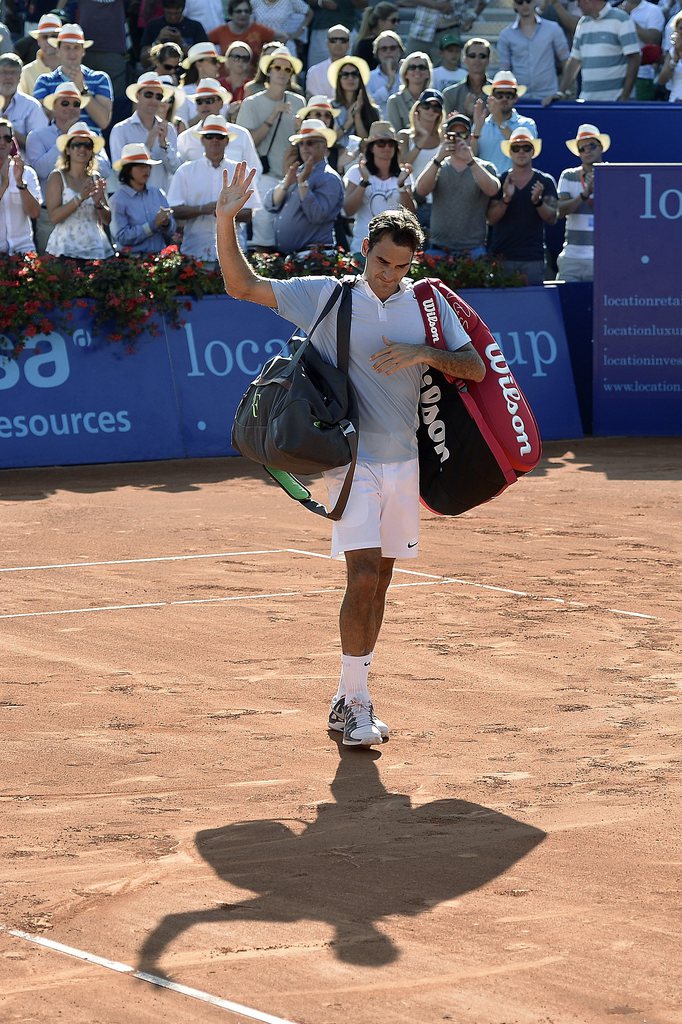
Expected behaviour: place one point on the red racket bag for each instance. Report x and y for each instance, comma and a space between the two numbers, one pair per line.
475, 439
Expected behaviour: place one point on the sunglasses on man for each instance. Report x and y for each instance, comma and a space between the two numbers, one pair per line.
587, 147
70, 103
453, 136
521, 147
201, 100
477, 56
338, 39
504, 95
215, 135
149, 95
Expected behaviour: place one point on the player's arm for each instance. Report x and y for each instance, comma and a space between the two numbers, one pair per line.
240, 280
465, 362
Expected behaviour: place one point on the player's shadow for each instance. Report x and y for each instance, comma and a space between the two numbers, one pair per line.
367, 856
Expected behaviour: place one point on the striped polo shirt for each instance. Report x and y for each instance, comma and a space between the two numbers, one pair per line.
602, 45
579, 241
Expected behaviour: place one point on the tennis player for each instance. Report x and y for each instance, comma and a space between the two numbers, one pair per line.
388, 353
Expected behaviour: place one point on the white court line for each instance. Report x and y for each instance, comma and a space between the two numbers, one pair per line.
132, 561
153, 979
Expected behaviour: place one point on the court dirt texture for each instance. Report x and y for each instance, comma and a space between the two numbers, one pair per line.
172, 803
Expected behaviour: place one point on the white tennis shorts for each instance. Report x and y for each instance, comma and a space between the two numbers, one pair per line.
382, 510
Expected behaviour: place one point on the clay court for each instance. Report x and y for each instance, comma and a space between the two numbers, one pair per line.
182, 838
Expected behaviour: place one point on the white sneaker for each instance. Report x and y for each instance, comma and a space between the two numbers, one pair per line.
337, 717
358, 728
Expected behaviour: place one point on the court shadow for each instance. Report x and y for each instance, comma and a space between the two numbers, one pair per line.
368, 855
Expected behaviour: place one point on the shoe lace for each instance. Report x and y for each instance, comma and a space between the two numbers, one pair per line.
360, 713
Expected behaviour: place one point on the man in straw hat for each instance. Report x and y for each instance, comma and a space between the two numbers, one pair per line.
576, 204
71, 45
195, 187
47, 55
309, 198
388, 354
148, 127
209, 99
526, 201
25, 113
489, 132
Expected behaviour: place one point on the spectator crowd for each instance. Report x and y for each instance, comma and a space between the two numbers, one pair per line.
119, 117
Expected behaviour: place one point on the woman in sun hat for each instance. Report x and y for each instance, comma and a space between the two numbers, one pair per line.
75, 198
415, 77
202, 61
420, 143
377, 182
141, 218
236, 72
348, 77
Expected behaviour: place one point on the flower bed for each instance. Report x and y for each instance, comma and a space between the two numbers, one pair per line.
38, 293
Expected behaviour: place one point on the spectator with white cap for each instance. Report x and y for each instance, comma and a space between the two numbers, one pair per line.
489, 132
147, 127
47, 57
270, 116
211, 99
20, 197
25, 113
307, 201
75, 198
141, 218
64, 107
195, 188
202, 61
71, 45
462, 188
525, 203
338, 45
576, 204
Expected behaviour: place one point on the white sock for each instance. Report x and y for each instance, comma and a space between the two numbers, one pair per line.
355, 672
341, 688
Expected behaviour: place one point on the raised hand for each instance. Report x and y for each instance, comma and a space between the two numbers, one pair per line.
236, 193
536, 192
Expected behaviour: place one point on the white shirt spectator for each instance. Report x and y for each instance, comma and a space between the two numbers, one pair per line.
25, 113
209, 13
132, 130
16, 230
194, 184
242, 148
648, 15
316, 81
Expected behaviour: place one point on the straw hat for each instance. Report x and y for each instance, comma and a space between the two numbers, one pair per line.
313, 128
356, 62
379, 130
149, 80
521, 134
586, 132
317, 103
211, 87
214, 124
281, 53
65, 91
200, 51
48, 23
505, 80
70, 34
134, 153
80, 130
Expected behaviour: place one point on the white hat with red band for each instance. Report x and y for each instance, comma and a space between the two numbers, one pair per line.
521, 135
48, 25
505, 80
70, 34
65, 91
587, 132
211, 87
149, 80
313, 128
215, 124
80, 132
201, 51
134, 153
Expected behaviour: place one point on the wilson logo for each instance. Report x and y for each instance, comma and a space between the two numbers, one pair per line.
511, 394
429, 307
429, 398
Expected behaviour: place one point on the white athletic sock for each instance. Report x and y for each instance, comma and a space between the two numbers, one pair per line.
341, 688
355, 672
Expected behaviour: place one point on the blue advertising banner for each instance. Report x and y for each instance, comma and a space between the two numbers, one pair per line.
638, 300
71, 398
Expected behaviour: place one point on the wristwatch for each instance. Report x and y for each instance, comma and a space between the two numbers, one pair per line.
85, 91
364, 183
21, 185
437, 162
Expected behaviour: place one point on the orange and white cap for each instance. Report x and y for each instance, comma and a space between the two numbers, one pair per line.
200, 51
505, 80
586, 132
48, 25
80, 130
211, 87
215, 124
71, 34
149, 80
522, 134
134, 153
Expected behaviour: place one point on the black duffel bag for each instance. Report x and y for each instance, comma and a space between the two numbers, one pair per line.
300, 414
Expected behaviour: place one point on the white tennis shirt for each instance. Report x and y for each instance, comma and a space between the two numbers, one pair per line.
388, 404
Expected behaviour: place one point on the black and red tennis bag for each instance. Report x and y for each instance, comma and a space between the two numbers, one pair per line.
474, 439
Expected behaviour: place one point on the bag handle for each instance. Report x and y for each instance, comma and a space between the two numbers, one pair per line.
272, 137
287, 481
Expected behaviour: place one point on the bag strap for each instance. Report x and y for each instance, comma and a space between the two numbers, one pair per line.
287, 481
428, 307
272, 137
